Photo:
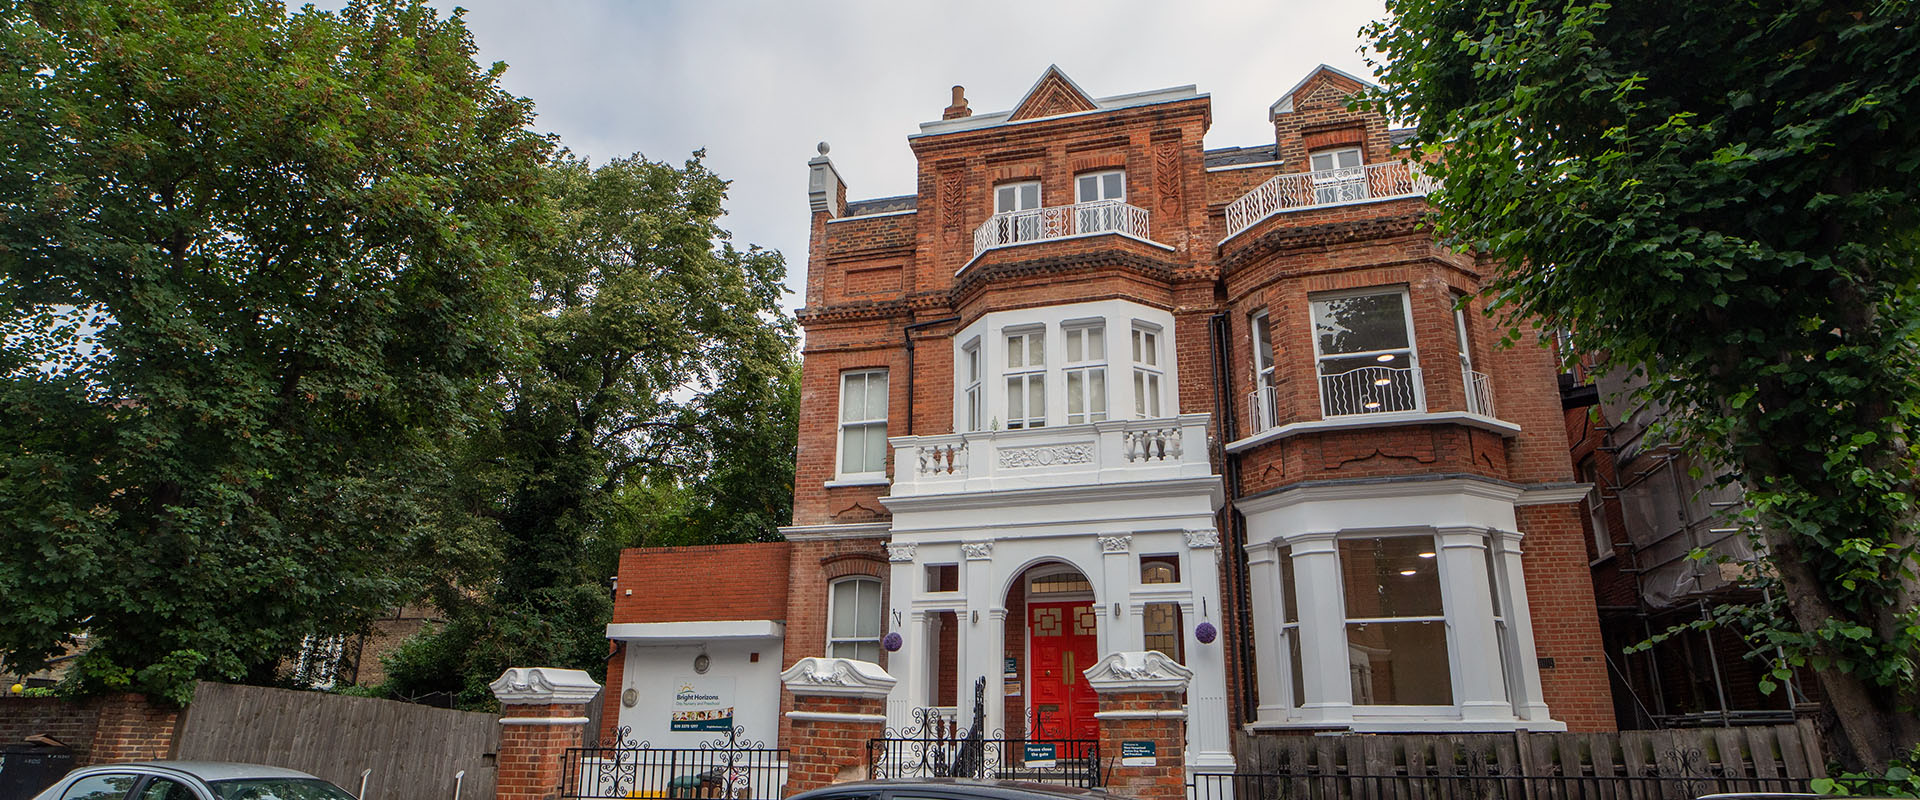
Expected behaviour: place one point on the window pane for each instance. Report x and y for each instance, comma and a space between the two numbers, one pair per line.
973, 364
1076, 395
1029, 195
867, 651
1087, 188
1036, 398
1076, 338
1036, 350
1003, 198
1285, 554
1322, 161
1153, 395
1400, 663
1161, 624
1348, 158
846, 601
1361, 324
1262, 343
876, 395
1139, 393
853, 449
1097, 379
1391, 577
1115, 185
876, 454
1149, 349
867, 618
1016, 400
1016, 352
100, 787
853, 397
1295, 671
1096, 344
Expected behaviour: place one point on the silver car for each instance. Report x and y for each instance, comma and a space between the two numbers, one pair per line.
190, 780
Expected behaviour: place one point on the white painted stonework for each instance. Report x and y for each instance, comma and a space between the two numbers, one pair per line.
742, 659
1149, 671
543, 685
837, 677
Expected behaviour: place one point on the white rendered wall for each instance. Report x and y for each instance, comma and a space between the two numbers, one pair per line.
653, 671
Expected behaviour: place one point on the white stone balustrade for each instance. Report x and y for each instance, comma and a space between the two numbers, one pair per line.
1116, 451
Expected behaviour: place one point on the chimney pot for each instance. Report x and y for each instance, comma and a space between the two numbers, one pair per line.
959, 108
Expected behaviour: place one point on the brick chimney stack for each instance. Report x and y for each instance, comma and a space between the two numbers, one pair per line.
959, 108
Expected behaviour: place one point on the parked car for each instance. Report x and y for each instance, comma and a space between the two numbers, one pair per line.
190, 780
951, 789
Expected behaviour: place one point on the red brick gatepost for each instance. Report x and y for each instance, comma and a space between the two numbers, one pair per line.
1143, 724
543, 711
132, 727
838, 704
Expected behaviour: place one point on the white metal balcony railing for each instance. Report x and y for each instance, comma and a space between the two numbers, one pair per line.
1059, 222
1370, 390
1479, 392
1295, 191
1094, 453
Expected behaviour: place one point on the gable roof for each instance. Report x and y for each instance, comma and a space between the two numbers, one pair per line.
1056, 95
1053, 94
1284, 105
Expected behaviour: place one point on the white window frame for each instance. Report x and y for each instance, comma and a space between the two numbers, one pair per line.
1334, 183
1099, 185
971, 359
1448, 607
840, 432
853, 638
1011, 191
1029, 375
1412, 350
1266, 407
1088, 369
1149, 376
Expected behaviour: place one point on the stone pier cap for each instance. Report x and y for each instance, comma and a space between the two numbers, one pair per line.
837, 677
1149, 671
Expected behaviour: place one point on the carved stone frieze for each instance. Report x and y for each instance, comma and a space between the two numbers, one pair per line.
1046, 455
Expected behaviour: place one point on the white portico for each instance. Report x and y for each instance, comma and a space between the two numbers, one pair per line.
1023, 556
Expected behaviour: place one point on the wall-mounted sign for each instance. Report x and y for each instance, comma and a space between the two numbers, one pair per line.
1139, 754
702, 704
1042, 755
1010, 668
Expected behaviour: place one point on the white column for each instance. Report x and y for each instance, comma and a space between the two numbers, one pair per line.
1325, 665
1209, 745
903, 582
1531, 705
1270, 664
1118, 575
978, 647
1479, 685
996, 683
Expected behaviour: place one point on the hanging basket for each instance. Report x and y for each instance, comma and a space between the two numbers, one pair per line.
1206, 633
891, 642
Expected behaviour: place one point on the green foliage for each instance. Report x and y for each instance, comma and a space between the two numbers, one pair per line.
1727, 197
252, 265
1901, 778
654, 402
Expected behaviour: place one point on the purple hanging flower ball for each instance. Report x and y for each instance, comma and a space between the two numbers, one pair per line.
1206, 633
892, 642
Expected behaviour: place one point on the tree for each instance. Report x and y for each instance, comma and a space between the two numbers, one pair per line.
1726, 196
252, 265
657, 386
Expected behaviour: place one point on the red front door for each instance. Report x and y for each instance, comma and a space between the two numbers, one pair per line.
1064, 645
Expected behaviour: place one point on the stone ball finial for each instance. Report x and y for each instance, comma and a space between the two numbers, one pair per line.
822, 147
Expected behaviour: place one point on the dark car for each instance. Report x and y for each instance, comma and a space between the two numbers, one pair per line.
951, 789
190, 780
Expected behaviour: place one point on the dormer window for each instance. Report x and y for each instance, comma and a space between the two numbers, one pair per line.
1338, 176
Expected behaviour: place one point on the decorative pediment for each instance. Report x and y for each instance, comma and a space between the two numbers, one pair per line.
540, 685
1053, 94
1150, 671
840, 677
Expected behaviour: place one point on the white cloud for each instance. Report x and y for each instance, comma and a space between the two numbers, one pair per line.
758, 84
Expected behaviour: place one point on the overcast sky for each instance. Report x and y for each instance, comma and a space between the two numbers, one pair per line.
759, 84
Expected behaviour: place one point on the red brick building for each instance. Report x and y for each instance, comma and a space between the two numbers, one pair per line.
1096, 388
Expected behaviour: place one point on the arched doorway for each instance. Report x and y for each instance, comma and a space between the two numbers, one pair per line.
1056, 639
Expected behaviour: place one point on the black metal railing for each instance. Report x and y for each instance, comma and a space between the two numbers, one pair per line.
1067, 762
1313, 786
732, 767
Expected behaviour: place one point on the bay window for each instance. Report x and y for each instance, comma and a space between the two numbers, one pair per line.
1086, 372
1396, 622
863, 424
1026, 378
1363, 349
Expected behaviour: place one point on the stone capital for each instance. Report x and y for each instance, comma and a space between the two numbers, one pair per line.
1203, 538
1149, 671
898, 553
1116, 545
543, 685
977, 551
837, 677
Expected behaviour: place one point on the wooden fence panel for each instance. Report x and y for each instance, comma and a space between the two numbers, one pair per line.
413, 751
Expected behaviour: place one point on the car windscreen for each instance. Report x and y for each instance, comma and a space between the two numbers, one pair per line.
277, 789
